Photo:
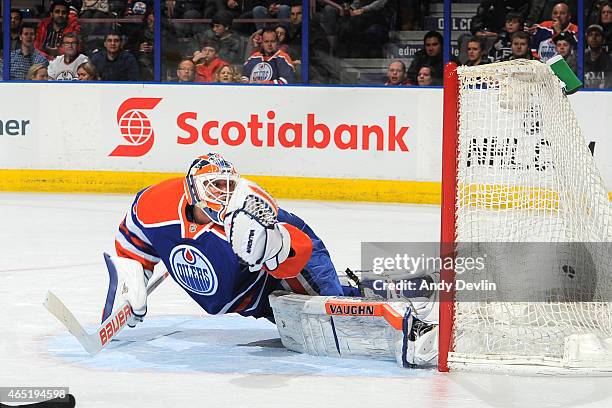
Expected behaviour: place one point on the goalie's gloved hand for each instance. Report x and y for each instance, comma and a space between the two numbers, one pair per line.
128, 282
256, 244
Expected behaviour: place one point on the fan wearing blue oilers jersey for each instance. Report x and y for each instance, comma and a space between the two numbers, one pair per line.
224, 241
269, 65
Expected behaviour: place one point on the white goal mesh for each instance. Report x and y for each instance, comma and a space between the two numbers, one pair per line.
531, 201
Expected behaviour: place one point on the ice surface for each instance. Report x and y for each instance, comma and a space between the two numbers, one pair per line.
180, 357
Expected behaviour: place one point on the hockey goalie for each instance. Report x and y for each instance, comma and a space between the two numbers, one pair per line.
229, 246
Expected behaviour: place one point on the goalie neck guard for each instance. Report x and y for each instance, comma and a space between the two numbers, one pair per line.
209, 184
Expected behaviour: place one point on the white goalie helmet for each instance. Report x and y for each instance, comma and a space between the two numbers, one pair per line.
209, 185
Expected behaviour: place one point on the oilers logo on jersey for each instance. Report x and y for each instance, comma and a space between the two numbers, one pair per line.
201, 259
262, 72
193, 270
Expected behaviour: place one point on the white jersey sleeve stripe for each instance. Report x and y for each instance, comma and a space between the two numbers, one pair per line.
124, 243
261, 291
135, 229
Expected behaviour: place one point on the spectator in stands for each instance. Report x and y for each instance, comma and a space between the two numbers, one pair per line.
412, 14
425, 76
226, 74
542, 34
64, 67
207, 61
502, 47
565, 46
520, 47
322, 67
113, 63
366, 30
254, 44
269, 65
283, 37
294, 33
37, 72
431, 55
542, 9
283, 44
295, 22
16, 21
605, 19
72, 10
132, 32
475, 52
185, 72
230, 45
95, 9
330, 14
281, 34
135, 7
87, 72
491, 15
91, 33
190, 9
597, 62
51, 30
26, 55
143, 42
271, 9
396, 74
242, 9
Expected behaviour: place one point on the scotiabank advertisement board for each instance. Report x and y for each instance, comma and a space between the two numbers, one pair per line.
340, 132
287, 131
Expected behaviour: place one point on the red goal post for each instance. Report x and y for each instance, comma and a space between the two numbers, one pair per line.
449, 194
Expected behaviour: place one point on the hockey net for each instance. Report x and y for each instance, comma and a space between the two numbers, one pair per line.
521, 189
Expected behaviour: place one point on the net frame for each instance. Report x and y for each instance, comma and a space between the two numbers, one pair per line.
529, 74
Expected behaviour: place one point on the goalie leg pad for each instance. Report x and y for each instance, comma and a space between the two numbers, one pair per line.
127, 281
420, 345
355, 330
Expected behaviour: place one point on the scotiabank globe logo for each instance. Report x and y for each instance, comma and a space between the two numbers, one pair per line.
135, 127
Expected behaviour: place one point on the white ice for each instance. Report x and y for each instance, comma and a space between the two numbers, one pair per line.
180, 357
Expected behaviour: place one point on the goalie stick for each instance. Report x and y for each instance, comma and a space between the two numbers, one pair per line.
94, 342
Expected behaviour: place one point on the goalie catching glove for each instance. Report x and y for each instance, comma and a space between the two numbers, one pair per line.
256, 236
127, 282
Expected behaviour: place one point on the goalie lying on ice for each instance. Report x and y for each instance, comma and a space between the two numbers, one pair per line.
228, 245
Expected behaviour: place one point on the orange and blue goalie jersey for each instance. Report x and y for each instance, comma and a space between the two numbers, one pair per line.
160, 227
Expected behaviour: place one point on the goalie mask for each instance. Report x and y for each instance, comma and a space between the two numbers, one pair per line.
209, 185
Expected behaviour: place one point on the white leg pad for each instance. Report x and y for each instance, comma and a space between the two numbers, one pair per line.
352, 327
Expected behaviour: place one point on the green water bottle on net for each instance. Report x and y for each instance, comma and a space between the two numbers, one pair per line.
563, 71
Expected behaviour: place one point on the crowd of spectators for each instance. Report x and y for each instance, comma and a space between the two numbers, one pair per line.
201, 42
507, 30
266, 48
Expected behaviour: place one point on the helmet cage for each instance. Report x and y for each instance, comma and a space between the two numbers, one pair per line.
210, 183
